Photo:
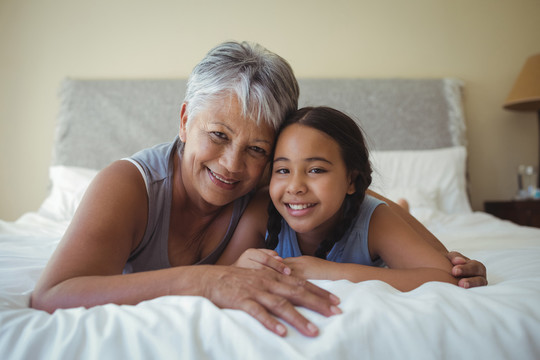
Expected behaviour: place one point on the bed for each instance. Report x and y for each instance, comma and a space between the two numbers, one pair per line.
417, 136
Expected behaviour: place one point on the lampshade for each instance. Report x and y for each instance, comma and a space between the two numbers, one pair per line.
525, 95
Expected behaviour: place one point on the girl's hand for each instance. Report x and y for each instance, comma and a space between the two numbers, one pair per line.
308, 267
262, 259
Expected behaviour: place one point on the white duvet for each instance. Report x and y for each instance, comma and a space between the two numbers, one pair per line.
435, 321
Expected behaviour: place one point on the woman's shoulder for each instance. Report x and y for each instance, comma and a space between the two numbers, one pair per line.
120, 182
120, 170
156, 162
113, 207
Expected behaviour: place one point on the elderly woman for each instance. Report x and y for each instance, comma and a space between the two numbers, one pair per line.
144, 220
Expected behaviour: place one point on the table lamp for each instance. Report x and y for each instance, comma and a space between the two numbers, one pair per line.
525, 95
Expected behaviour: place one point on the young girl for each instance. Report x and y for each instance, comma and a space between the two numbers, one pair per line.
320, 222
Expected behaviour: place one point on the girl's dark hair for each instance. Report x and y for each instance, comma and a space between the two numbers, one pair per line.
346, 132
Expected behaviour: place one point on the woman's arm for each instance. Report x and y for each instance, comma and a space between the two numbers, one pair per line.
472, 273
86, 268
107, 225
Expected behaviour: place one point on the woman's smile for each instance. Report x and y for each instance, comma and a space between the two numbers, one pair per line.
225, 151
221, 180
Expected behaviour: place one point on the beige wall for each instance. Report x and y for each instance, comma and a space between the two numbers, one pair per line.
482, 42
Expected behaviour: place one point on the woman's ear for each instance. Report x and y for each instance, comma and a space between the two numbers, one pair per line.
352, 180
183, 123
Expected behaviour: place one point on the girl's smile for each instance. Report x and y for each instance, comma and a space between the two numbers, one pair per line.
309, 180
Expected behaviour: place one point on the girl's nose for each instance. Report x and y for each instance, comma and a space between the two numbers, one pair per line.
296, 185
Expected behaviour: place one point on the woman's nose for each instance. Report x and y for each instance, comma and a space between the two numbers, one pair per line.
232, 160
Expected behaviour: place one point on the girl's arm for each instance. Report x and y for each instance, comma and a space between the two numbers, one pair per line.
310, 267
471, 272
411, 220
411, 260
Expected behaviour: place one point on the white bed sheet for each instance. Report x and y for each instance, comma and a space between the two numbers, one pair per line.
435, 321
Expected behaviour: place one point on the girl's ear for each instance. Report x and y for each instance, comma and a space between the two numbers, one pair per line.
352, 180
183, 123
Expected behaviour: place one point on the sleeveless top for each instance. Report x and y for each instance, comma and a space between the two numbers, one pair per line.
351, 248
156, 167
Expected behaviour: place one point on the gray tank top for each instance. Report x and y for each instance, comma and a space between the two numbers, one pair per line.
156, 167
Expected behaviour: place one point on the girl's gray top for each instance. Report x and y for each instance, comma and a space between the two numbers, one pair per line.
156, 167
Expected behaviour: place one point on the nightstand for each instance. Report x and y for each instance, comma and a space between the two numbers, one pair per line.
521, 212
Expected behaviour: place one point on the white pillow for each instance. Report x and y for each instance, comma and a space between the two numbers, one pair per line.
435, 177
68, 185
416, 197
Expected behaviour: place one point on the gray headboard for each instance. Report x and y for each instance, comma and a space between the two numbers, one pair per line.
104, 120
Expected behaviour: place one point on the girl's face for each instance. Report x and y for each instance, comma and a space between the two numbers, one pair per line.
309, 179
225, 153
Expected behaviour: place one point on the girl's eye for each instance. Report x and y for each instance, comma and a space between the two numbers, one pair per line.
282, 171
317, 171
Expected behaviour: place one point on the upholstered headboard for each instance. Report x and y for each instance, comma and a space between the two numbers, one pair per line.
104, 120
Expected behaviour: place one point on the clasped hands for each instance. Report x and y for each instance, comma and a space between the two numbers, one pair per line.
263, 284
471, 273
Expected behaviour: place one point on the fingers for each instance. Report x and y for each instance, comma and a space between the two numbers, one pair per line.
265, 293
301, 292
471, 268
471, 272
334, 300
280, 302
280, 307
268, 258
468, 283
260, 314
456, 258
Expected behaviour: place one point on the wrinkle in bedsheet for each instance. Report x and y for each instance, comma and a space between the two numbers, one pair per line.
434, 321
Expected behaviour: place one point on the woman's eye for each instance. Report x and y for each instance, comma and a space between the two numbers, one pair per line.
219, 135
258, 150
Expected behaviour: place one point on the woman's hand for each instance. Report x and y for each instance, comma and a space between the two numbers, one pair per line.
471, 273
262, 259
262, 293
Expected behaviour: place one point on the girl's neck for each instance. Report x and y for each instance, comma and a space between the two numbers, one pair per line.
309, 241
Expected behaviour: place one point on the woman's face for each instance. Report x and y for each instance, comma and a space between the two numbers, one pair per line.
225, 153
309, 179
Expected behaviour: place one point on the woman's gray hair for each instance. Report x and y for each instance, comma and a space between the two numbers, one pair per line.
263, 81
